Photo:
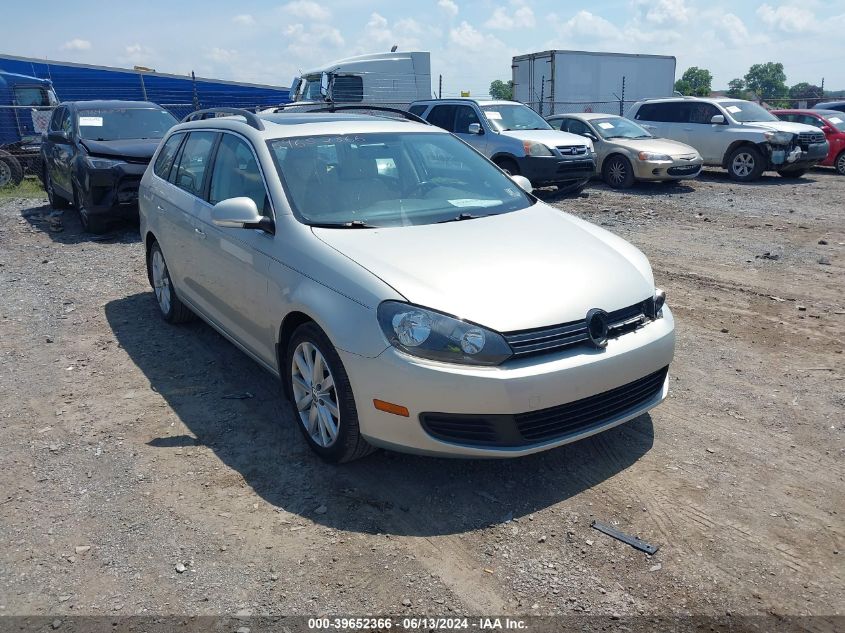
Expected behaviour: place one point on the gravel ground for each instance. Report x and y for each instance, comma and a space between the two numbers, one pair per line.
130, 484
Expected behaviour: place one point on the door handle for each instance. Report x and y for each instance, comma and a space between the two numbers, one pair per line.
159, 208
200, 234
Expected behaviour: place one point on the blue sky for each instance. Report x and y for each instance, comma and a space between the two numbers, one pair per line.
471, 41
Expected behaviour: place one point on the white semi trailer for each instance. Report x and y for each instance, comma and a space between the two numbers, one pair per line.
552, 82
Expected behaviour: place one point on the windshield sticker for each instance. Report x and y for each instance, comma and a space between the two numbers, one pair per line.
835, 119
733, 109
493, 115
606, 126
314, 141
473, 202
91, 121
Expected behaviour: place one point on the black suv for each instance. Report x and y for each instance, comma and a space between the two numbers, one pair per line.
94, 154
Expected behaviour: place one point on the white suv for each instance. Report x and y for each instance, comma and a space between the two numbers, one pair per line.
741, 136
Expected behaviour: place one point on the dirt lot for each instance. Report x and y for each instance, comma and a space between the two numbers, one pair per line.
123, 459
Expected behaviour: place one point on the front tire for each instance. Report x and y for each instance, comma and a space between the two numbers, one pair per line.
618, 173
508, 165
172, 309
745, 164
839, 163
792, 173
56, 201
572, 189
90, 223
321, 397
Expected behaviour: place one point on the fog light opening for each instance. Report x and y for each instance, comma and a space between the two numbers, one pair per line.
389, 407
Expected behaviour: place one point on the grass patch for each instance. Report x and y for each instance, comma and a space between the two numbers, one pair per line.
30, 187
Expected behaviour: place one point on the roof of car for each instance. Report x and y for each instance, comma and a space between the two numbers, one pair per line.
112, 104
585, 116
824, 104
682, 99
808, 111
481, 102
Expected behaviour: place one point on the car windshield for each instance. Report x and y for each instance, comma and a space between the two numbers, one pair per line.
124, 123
390, 179
836, 119
747, 111
504, 117
617, 127
310, 90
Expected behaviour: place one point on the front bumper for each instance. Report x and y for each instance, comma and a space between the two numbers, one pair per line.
552, 170
111, 191
797, 157
676, 169
515, 388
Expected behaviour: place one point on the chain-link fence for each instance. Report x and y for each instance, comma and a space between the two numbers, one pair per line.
547, 108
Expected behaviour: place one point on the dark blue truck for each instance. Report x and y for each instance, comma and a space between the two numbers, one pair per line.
25, 107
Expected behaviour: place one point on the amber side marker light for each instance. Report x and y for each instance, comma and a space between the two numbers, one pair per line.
389, 407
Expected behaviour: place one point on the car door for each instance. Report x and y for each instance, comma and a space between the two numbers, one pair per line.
465, 115
582, 128
181, 201
710, 139
234, 263
157, 203
61, 156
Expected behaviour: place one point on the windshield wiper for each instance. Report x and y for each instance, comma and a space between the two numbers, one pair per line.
462, 216
354, 224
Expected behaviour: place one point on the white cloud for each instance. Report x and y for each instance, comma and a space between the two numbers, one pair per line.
244, 19
660, 12
222, 55
466, 36
308, 10
449, 6
789, 19
522, 17
76, 45
588, 25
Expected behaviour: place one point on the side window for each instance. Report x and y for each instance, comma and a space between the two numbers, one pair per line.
67, 122
464, 115
810, 120
56, 120
417, 109
348, 88
193, 161
236, 174
702, 112
577, 127
166, 156
660, 112
646, 112
443, 116
786, 117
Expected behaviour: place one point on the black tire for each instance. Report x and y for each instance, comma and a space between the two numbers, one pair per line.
839, 163
56, 201
172, 311
509, 165
745, 164
617, 172
94, 224
792, 173
572, 188
348, 444
11, 172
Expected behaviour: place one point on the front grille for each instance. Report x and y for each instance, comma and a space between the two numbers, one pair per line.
554, 338
544, 425
572, 150
685, 170
576, 165
810, 138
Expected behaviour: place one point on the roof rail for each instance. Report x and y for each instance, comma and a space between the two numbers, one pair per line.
251, 118
339, 108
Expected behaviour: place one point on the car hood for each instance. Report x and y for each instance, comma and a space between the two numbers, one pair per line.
782, 126
514, 271
656, 145
129, 148
550, 138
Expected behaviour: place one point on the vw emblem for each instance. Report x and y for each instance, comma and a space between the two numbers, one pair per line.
597, 327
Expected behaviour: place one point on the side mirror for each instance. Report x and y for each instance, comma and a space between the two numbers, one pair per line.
475, 128
827, 129
240, 213
523, 183
324, 85
57, 136
718, 119
591, 136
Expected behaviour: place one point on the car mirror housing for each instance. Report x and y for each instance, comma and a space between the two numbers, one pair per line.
718, 119
523, 183
827, 129
475, 128
240, 213
57, 136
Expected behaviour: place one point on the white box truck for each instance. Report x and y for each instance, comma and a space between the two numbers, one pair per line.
387, 79
553, 82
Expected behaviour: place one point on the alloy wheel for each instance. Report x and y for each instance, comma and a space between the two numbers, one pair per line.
314, 394
743, 164
840, 164
161, 281
617, 172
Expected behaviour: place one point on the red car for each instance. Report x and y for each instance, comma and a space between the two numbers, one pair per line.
831, 122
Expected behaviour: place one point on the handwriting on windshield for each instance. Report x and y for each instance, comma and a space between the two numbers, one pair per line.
312, 141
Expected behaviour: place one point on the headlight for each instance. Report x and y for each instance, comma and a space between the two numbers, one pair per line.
778, 138
653, 308
429, 334
653, 156
102, 163
536, 149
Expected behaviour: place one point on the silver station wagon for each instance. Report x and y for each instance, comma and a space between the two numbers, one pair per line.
408, 293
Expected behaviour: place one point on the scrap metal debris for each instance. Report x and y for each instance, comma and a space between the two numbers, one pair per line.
633, 541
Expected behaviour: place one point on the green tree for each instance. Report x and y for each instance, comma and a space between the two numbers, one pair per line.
501, 90
806, 92
767, 81
736, 89
695, 82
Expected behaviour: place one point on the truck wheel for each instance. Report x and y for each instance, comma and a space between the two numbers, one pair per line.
55, 200
90, 223
745, 164
11, 172
508, 165
839, 163
618, 173
321, 397
792, 173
